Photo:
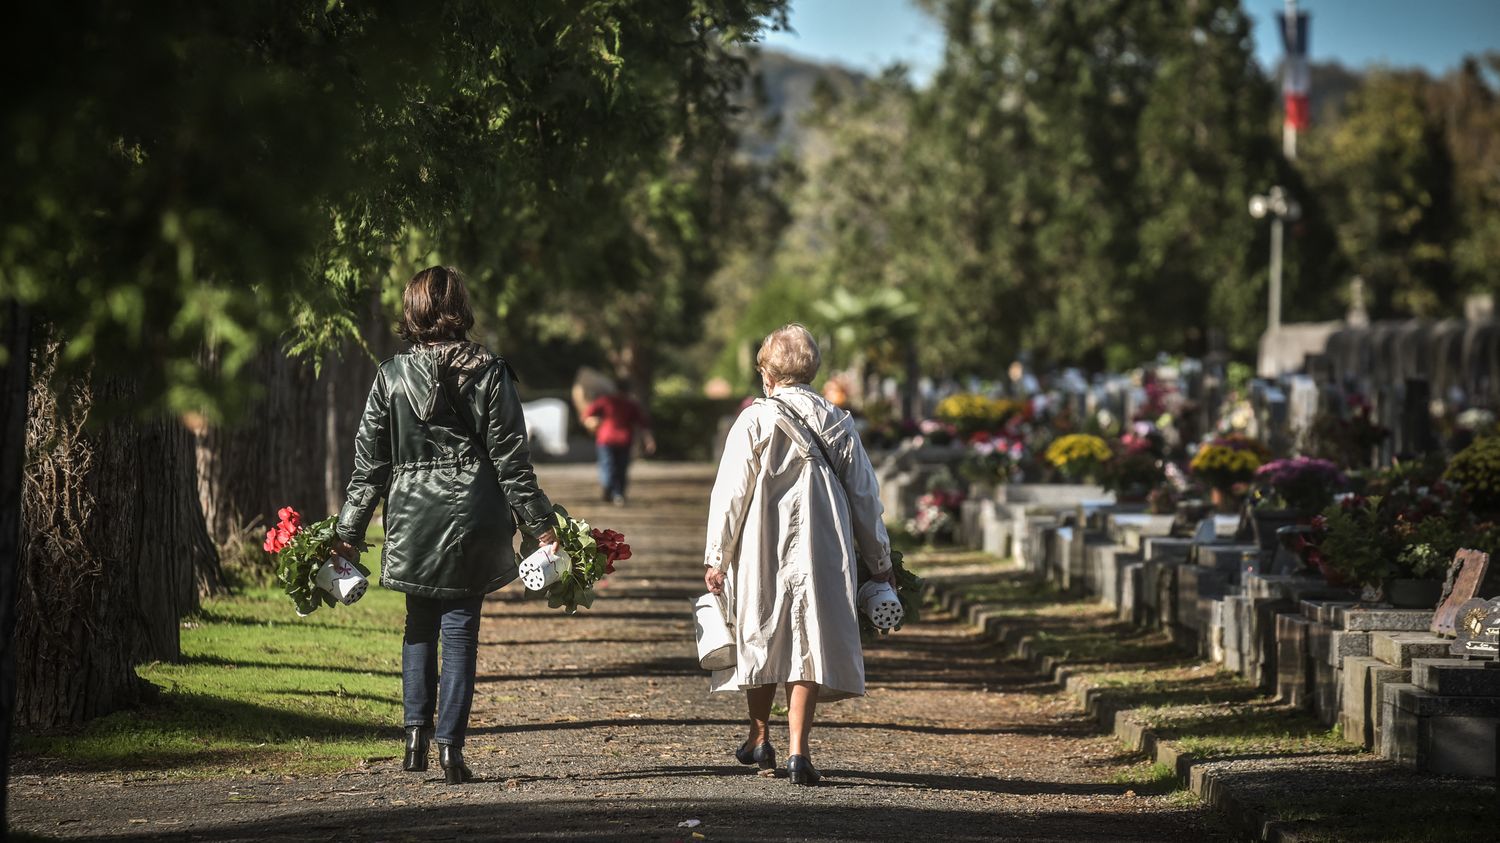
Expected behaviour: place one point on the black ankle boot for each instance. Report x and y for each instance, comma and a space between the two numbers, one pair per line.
418, 742
454, 769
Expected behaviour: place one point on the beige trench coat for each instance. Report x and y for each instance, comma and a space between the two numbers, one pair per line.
787, 528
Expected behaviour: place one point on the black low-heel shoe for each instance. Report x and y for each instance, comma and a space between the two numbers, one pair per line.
418, 743
801, 771
763, 756
454, 769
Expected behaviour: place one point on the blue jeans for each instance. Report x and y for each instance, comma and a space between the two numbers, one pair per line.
613, 463
456, 622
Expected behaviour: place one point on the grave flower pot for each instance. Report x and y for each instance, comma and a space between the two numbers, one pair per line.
543, 568
880, 604
341, 580
1406, 593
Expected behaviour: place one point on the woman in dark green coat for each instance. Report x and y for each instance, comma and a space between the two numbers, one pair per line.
443, 443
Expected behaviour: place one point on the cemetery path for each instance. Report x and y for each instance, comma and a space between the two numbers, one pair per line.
600, 727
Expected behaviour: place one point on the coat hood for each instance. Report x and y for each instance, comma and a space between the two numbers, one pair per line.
456, 364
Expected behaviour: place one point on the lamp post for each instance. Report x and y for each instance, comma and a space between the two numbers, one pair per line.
1281, 208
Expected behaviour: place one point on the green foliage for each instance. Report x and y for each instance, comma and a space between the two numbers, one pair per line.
190, 176
686, 427
1389, 178
1354, 544
1476, 471
1074, 171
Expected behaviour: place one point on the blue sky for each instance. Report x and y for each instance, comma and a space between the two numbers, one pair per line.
1435, 34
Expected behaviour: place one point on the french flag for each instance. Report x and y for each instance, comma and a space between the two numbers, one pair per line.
1296, 79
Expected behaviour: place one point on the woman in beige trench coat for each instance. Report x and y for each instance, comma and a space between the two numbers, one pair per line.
794, 510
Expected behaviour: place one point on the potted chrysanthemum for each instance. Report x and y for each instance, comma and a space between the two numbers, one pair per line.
1290, 492
1079, 456
1227, 464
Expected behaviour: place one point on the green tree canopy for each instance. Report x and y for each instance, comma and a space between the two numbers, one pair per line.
188, 175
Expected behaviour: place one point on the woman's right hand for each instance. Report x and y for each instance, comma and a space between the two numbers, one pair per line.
714, 579
549, 541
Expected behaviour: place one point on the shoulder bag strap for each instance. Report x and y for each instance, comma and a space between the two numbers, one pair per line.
811, 431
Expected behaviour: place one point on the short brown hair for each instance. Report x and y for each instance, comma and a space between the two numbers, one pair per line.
435, 307
789, 355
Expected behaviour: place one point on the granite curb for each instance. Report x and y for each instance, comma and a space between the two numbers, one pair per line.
1194, 774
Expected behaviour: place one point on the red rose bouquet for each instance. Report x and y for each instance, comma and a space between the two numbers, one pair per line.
588, 555
306, 566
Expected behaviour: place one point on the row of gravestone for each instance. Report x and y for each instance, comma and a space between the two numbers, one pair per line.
1289, 634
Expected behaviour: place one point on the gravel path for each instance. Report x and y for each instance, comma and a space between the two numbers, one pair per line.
600, 727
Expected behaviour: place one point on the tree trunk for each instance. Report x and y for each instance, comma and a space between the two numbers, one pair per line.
294, 446
112, 538
15, 334
269, 458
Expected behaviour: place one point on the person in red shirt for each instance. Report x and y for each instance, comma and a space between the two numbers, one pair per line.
614, 420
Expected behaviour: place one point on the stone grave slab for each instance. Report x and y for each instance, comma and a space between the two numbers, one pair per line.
1457, 677
1293, 664
1226, 558
1213, 637
1326, 676
1106, 564
1385, 619
1051, 494
1343, 644
1060, 554
1166, 548
1232, 612
1132, 583
1400, 648
1359, 709
1452, 736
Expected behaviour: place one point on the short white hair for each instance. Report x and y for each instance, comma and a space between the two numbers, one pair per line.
789, 355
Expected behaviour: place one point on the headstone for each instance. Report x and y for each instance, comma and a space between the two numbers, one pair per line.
1464, 576
1415, 433
1478, 627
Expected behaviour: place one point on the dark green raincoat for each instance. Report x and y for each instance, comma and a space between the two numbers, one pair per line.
443, 442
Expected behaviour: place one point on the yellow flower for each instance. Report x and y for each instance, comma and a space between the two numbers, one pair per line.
971, 412
1077, 447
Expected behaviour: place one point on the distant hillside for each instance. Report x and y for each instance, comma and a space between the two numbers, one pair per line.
782, 94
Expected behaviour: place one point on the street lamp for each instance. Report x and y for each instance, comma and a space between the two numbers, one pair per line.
1280, 208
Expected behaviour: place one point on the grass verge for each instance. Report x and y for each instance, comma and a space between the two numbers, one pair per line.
258, 690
